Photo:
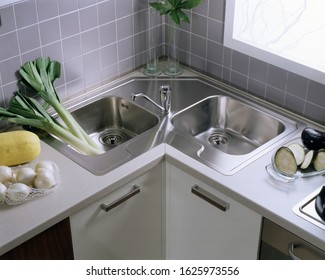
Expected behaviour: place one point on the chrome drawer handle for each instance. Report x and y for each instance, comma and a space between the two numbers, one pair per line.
106, 207
313, 253
215, 201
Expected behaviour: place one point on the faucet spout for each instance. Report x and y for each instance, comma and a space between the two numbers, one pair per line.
164, 99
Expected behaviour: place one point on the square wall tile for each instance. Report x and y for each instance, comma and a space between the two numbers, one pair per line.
47, 9
316, 93
124, 27
124, 8
71, 47
108, 55
240, 62
88, 18
106, 12
8, 70
69, 24
277, 77
25, 13
258, 70
29, 38
9, 45
215, 31
125, 48
217, 9
90, 40
91, 62
50, 31
8, 20
199, 25
297, 85
198, 46
107, 34
86, 3
67, 6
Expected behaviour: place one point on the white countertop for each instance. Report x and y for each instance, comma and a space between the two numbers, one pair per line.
252, 186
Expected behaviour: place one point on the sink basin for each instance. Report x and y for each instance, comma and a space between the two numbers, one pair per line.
112, 121
228, 124
210, 122
119, 126
227, 134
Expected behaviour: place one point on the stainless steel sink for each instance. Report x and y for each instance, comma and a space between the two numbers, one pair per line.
112, 121
209, 121
120, 127
228, 124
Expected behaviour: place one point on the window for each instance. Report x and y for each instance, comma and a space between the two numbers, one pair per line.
286, 33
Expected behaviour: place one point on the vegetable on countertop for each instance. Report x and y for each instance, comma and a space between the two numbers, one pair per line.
38, 76
308, 159
298, 151
21, 183
285, 161
17, 147
313, 139
319, 161
18, 192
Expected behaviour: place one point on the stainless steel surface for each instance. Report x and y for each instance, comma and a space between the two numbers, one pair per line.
107, 207
306, 209
209, 121
215, 201
278, 243
227, 124
112, 121
165, 98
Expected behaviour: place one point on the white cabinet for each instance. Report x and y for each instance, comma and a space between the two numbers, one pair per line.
131, 230
197, 229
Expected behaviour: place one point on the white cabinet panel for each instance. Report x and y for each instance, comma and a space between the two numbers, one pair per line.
196, 229
131, 230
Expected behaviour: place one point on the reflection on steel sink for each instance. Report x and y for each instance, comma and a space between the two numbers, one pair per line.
227, 133
118, 125
112, 121
228, 124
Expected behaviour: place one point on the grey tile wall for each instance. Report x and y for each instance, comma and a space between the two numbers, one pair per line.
98, 40
95, 40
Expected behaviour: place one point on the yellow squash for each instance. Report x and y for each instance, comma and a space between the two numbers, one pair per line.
18, 147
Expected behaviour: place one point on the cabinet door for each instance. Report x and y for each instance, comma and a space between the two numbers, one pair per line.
131, 230
197, 229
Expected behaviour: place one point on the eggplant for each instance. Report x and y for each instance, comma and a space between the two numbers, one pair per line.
320, 203
313, 139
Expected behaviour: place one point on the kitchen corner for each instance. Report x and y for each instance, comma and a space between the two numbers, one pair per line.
173, 175
250, 186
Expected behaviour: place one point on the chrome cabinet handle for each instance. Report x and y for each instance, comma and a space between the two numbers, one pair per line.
106, 207
291, 249
313, 253
215, 201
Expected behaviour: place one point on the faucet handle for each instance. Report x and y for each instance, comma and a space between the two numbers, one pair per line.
165, 89
165, 98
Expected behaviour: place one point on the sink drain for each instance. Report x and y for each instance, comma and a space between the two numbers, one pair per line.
218, 139
112, 138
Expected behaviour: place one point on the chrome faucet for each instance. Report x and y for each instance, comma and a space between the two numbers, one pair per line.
165, 98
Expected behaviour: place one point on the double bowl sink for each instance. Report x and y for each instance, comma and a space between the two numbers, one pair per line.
209, 122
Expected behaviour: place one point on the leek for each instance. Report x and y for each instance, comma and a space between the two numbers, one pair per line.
38, 76
27, 111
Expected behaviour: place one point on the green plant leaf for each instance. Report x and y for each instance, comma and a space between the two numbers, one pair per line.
190, 4
162, 8
174, 9
183, 16
175, 17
